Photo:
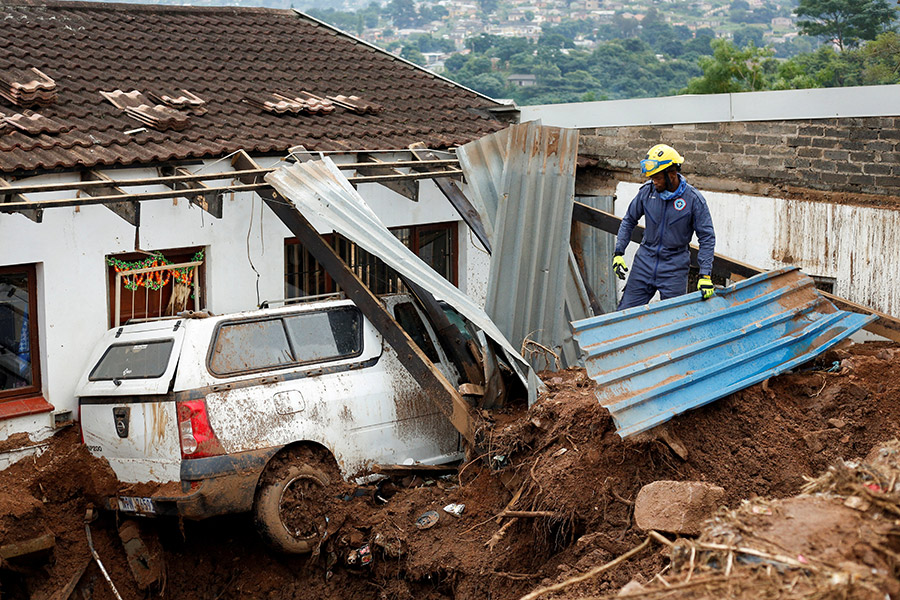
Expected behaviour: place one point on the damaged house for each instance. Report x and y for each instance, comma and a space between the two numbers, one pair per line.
99, 100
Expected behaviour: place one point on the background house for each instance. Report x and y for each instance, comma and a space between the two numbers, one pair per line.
114, 92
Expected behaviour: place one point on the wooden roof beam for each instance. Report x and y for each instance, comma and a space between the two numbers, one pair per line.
455, 195
35, 214
206, 198
406, 188
129, 210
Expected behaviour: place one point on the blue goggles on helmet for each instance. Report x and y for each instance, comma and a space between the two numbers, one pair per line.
649, 165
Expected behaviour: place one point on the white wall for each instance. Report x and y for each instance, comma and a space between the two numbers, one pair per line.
70, 247
857, 246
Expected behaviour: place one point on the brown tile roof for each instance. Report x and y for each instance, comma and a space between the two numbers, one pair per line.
222, 56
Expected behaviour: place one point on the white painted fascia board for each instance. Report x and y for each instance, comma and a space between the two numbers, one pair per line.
818, 103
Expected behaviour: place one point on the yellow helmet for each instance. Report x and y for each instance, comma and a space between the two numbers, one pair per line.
659, 158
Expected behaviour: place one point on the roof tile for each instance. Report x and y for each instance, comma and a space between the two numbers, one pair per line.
222, 55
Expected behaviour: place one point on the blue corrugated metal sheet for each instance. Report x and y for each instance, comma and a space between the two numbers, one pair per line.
656, 361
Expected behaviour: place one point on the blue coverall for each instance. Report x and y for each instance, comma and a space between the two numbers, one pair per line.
663, 259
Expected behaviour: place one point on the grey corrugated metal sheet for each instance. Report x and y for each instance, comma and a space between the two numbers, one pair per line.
532, 291
655, 361
483, 162
319, 188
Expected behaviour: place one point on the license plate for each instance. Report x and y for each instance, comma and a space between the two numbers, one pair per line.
136, 505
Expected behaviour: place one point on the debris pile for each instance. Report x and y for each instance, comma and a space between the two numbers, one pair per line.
809, 508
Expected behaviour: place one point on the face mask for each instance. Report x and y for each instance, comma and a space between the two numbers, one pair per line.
667, 195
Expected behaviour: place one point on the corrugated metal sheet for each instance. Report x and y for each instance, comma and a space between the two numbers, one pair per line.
596, 246
656, 361
524, 181
482, 161
318, 188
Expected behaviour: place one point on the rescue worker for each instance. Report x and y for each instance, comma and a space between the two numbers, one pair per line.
673, 211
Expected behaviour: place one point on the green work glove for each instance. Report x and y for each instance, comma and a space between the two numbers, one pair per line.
705, 285
619, 266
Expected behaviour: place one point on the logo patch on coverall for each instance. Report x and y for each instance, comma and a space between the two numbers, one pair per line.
679, 204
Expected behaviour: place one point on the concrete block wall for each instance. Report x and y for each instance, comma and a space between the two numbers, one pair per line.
859, 155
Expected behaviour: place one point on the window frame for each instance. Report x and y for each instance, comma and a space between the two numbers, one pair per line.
415, 232
36, 388
176, 255
295, 363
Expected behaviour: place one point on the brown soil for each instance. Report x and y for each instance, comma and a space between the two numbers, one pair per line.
561, 456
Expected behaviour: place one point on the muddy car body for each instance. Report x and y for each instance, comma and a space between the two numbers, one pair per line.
203, 407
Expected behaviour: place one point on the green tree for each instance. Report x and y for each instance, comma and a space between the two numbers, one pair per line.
476, 65
455, 62
402, 13
880, 60
745, 36
732, 69
507, 47
489, 84
553, 40
481, 43
488, 6
412, 54
845, 22
654, 27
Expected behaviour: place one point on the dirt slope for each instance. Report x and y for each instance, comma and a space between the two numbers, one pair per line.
562, 456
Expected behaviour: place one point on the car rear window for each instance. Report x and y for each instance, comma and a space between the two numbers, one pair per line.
325, 335
140, 360
249, 346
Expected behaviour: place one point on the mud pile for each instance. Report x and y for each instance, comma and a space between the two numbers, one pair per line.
552, 499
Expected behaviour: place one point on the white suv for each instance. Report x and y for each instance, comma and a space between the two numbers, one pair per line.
235, 411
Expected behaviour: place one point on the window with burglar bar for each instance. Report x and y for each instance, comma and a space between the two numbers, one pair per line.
149, 285
435, 244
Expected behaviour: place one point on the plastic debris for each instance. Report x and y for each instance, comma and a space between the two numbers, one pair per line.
455, 509
361, 556
427, 520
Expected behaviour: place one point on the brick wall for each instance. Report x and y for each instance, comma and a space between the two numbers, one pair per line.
849, 155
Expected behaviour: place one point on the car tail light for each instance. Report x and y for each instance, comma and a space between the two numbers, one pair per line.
197, 436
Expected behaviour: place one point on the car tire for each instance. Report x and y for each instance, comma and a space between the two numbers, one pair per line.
291, 506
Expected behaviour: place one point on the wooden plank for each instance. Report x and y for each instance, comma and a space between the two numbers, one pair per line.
403, 470
436, 387
456, 197
128, 210
735, 270
35, 214
39, 205
406, 188
207, 198
65, 592
33, 545
86, 185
